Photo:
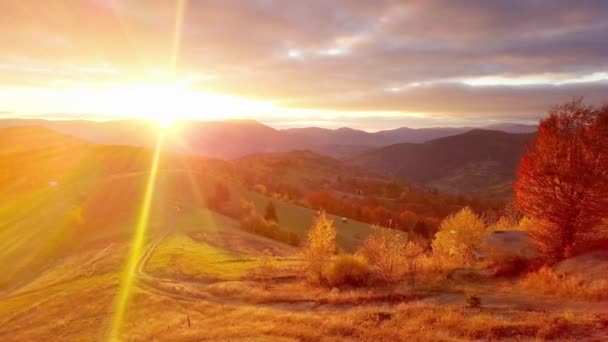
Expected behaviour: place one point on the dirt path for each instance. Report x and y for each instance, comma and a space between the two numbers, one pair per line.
491, 300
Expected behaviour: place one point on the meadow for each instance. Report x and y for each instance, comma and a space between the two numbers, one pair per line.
69, 221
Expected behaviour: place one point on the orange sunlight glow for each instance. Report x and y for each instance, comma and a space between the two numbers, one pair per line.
159, 101
167, 101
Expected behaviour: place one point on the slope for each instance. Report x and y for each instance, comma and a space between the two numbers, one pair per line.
470, 162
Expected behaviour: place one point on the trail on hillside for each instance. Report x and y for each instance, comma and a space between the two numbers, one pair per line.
490, 300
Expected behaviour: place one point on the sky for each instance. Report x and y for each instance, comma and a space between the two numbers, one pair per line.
364, 64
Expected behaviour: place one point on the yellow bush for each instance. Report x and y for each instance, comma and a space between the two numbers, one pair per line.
347, 270
385, 249
503, 223
320, 246
460, 236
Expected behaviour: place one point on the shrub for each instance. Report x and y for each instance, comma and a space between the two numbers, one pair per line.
320, 246
473, 301
347, 270
413, 252
385, 249
460, 236
256, 224
271, 212
260, 188
247, 207
503, 223
508, 265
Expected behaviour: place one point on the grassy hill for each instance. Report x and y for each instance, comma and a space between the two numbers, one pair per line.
67, 216
62, 196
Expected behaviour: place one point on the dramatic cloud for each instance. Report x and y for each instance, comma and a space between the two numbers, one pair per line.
487, 60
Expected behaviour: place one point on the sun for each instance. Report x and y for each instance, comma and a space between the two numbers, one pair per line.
165, 121
166, 102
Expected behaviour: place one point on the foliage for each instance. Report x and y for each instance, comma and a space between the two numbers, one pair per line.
563, 178
271, 212
247, 207
504, 223
473, 301
508, 265
220, 196
349, 270
256, 224
460, 236
597, 238
526, 224
260, 188
413, 252
385, 249
320, 246
408, 220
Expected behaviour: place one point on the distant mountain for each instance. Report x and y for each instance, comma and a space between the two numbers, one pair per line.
475, 161
345, 136
237, 138
512, 127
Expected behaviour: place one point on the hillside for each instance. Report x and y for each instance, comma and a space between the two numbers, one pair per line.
470, 162
68, 216
27, 138
238, 138
59, 195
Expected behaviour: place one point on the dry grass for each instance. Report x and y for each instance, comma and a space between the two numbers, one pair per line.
411, 321
280, 310
549, 282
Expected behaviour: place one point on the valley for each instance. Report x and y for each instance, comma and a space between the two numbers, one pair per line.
200, 273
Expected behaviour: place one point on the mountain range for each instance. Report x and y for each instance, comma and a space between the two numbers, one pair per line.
475, 161
237, 138
456, 160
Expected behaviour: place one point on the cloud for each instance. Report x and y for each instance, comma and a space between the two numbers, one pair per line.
339, 55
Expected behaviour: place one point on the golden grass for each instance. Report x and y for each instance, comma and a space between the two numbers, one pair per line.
548, 282
286, 309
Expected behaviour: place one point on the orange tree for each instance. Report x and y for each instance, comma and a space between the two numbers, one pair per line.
563, 178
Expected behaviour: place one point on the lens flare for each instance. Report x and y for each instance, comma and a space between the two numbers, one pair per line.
129, 273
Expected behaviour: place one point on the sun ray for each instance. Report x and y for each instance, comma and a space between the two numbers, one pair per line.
129, 273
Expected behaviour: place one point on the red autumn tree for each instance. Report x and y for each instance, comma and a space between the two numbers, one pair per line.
563, 178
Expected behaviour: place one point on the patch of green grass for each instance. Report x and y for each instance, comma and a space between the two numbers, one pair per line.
181, 257
299, 220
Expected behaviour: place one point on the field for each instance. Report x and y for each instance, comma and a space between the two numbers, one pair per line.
193, 289
200, 277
